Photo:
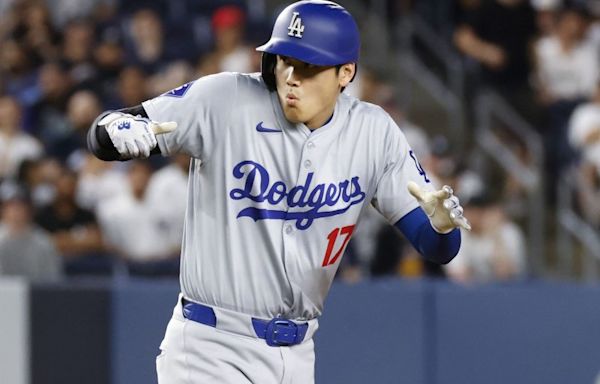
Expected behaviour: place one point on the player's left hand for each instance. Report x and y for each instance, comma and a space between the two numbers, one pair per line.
442, 207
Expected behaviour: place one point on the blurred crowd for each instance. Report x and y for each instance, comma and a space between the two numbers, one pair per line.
543, 57
65, 213
62, 62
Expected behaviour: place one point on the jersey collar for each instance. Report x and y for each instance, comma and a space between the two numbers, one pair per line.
329, 125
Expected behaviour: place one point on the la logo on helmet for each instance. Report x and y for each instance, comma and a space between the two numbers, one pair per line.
295, 28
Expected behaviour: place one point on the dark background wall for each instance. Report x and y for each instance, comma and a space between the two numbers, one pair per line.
417, 332
69, 334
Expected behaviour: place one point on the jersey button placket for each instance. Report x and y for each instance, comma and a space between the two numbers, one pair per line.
307, 163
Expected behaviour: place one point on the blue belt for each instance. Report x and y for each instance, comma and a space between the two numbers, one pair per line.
277, 332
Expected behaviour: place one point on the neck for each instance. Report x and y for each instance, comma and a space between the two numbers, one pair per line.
319, 122
567, 43
139, 195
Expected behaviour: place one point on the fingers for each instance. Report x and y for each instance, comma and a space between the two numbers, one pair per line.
160, 128
132, 149
421, 195
443, 193
150, 141
462, 222
137, 149
456, 212
144, 149
415, 190
451, 202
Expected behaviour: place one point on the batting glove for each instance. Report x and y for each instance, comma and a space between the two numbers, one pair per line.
134, 136
442, 207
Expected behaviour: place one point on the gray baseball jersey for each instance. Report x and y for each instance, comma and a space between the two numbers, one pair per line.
271, 204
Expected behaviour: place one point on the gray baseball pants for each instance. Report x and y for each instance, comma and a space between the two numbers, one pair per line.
194, 353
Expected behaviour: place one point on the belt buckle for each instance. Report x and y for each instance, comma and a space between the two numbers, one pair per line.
281, 332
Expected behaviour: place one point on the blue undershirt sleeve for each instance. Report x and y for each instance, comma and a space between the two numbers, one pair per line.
436, 247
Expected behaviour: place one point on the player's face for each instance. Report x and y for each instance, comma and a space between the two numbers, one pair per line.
307, 92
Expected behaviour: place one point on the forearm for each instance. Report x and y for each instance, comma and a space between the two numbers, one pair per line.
434, 246
470, 44
99, 143
69, 243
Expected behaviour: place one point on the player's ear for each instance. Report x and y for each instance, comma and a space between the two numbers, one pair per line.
346, 74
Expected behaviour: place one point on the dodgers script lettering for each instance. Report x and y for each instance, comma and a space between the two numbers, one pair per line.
258, 187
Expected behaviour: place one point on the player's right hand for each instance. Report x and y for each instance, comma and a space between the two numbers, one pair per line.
134, 136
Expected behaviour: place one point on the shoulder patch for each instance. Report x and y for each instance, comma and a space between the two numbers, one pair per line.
179, 91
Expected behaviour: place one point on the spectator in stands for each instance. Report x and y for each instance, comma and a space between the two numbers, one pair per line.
171, 181
172, 76
131, 88
34, 30
546, 12
584, 136
74, 230
593, 7
38, 177
230, 50
17, 75
207, 65
127, 218
567, 69
82, 109
77, 45
371, 87
494, 249
64, 11
99, 181
109, 60
25, 250
497, 35
584, 129
146, 34
55, 85
15, 145
588, 192
567, 65
444, 167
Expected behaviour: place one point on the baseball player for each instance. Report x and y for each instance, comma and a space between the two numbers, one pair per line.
283, 163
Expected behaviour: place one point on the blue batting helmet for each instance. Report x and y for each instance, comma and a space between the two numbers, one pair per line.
315, 32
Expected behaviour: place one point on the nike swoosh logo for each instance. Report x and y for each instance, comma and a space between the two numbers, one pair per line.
260, 128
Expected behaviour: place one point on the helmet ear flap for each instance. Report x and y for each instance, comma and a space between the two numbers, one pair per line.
267, 68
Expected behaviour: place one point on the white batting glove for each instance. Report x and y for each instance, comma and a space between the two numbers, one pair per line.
442, 207
134, 136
